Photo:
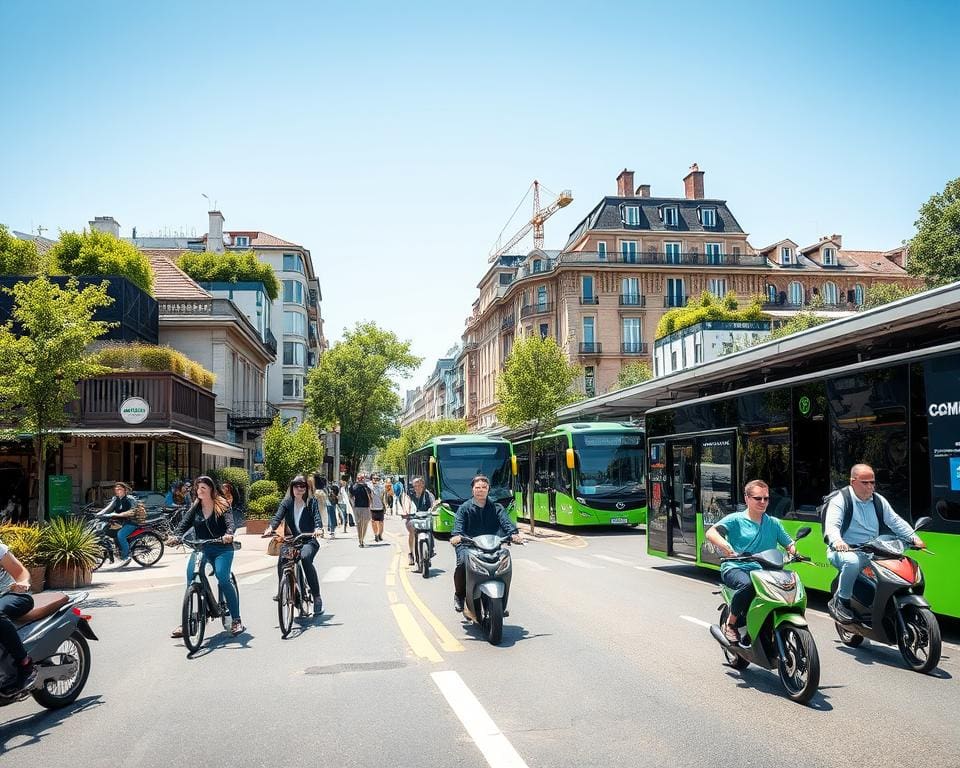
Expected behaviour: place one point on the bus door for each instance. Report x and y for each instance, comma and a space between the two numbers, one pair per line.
716, 462
658, 498
682, 522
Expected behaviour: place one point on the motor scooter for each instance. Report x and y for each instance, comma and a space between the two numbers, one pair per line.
489, 569
777, 633
888, 605
145, 543
55, 633
423, 550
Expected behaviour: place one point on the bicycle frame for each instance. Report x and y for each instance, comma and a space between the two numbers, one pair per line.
200, 575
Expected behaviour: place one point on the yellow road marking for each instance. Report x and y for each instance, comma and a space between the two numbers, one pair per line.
415, 637
447, 641
392, 596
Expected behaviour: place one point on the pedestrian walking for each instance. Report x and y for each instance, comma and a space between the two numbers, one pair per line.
377, 496
318, 483
388, 499
344, 510
398, 495
360, 500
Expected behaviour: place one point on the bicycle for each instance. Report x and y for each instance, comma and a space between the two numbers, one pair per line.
292, 592
145, 542
199, 604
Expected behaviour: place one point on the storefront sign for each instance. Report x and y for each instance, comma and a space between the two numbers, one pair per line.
134, 410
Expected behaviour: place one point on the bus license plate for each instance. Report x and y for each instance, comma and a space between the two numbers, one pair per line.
618, 521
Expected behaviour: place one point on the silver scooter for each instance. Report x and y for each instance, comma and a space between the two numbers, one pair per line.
489, 569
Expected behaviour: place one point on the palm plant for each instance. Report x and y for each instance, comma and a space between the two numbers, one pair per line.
69, 542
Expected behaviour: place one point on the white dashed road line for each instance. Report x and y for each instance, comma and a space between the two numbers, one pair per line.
256, 578
338, 573
577, 562
533, 565
698, 622
616, 560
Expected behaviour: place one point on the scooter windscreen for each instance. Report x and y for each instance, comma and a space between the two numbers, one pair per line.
888, 545
488, 542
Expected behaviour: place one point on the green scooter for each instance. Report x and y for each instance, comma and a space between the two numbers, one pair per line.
777, 633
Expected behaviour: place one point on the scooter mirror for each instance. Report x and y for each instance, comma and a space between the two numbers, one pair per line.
923, 522
803, 532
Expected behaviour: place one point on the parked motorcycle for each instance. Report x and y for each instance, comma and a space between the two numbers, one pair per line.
888, 604
777, 633
146, 544
489, 569
55, 634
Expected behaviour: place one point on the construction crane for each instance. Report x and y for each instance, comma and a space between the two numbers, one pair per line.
540, 215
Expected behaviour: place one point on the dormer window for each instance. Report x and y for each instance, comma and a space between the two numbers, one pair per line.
829, 257
708, 217
786, 255
242, 241
538, 265
631, 215
670, 215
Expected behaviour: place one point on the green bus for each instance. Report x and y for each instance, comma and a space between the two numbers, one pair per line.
586, 474
449, 462
899, 414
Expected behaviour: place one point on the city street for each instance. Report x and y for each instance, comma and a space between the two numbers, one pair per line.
606, 661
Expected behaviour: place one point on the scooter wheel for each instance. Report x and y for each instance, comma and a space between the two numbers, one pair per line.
850, 639
54, 694
921, 646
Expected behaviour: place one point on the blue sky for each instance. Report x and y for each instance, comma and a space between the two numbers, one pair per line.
395, 142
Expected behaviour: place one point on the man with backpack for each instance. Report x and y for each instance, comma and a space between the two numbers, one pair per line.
852, 516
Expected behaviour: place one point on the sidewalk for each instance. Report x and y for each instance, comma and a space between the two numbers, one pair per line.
171, 569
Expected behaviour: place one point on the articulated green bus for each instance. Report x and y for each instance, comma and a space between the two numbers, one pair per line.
899, 414
449, 462
586, 474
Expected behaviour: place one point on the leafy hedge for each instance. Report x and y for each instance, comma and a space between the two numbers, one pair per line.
100, 253
264, 507
24, 542
239, 478
709, 307
262, 488
18, 257
230, 267
147, 357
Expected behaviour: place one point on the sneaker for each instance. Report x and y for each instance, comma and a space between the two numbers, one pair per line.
125, 562
237, 627
841, 610
731, 633
410, 560
458, 603
317, 606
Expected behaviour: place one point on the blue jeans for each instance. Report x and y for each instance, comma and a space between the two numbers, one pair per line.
849, 564
122, 534
331, 517
221, 556
738, 579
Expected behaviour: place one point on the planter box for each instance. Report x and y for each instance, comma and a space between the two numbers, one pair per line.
257, 526
68, 577
38, 577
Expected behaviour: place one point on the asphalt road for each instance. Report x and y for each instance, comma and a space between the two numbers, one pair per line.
604, 662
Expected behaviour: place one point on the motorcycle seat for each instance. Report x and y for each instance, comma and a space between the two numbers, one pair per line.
44, 604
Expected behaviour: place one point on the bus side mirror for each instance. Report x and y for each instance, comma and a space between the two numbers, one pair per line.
433, 466
513, 465
571, 460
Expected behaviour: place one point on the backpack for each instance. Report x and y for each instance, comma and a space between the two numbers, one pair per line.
848, 511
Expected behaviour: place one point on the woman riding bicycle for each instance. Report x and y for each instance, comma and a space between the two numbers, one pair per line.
300, 513
212, 518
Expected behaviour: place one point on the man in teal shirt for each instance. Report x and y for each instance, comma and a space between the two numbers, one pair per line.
745, 533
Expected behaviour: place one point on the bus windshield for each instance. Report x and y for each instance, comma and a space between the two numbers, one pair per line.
459, 464
610, 464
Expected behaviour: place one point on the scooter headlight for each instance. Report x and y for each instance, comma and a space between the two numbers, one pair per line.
477, 565
780, 585
504, 562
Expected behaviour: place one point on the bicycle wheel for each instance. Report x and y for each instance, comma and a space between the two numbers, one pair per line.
194, 618
147, 549
101, 558
425, 558
285, 603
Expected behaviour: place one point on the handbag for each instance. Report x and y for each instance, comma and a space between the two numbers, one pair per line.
273, 546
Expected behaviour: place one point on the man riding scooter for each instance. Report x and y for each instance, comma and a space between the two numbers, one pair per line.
746, 532
418, 500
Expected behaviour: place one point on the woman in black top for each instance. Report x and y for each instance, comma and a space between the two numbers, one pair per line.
300, 513
211, 518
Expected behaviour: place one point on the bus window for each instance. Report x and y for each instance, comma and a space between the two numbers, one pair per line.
811, 444
767, 457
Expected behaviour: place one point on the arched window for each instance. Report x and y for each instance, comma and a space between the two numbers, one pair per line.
796, 293
830, 294
858, 295
771, 294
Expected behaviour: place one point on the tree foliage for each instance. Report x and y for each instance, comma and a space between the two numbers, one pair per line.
352, 387
393, 458
879, 294
100, 253
43, 356
230, 267
709, 307
18, 257
288, 452
632, 373
799, 322
536, 381
935, 249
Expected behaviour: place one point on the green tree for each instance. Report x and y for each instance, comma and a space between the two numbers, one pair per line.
393, 458
879, 294
633, 373
43, 356
100, 253
18, 257
352, 387
935, 250
288, 452
709, 307
230, 267
536, 381
799, 322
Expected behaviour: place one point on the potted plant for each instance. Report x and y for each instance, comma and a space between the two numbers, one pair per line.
24, 542
70, 548
259, 512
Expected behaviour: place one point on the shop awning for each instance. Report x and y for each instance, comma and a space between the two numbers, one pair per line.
210, 447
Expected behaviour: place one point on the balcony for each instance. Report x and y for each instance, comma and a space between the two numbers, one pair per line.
219, 308
591, 348
632, 300
536, 309
675, 301
270, 341
175, 402
251, 414
508, 322
660, 258
591, 300
633, 348
542, 268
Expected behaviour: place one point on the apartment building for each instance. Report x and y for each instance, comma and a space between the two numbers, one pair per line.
632, 258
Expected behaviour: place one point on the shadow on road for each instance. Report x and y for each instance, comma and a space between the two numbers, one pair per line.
512, 634
870, 654
36, 726
763, 680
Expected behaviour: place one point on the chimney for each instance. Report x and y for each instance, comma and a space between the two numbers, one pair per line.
215, 232
693, 183
625, 183
838, 239
643, 190
105, 224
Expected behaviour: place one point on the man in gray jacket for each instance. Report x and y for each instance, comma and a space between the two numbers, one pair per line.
854, 516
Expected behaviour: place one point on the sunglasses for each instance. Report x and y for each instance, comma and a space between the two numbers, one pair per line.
760, 498
299, 485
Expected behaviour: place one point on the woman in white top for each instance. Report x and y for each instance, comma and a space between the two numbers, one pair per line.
300, 513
